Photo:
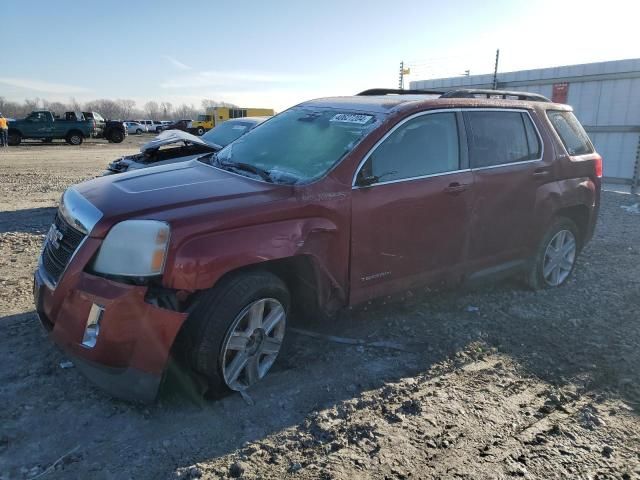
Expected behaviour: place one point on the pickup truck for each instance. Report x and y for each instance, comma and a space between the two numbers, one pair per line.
111, 130
43, 125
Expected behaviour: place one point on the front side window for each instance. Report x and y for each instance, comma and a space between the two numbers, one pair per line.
425, 145
300, 144
500, 138
37, 117
573, 136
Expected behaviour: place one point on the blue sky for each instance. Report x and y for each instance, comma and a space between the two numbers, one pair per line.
278, 53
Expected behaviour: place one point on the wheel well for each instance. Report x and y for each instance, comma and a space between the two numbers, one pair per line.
71, 132
579, 214
306, 284
14, 131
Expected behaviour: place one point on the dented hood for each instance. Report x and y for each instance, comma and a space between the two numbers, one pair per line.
169, 137
175, 191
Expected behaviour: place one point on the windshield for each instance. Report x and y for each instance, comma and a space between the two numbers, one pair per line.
204, 118
302, 142
227, 132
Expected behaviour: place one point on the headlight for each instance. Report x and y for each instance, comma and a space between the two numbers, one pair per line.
134, 248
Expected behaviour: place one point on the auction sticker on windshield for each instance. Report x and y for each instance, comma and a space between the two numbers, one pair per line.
351, 118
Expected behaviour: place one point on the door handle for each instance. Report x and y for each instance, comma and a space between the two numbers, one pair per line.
454, 188
541, 172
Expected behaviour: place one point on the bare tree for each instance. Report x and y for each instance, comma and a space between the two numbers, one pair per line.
166, 109
74, 105
152, 110
32, 104
105, 107
186, 112
208, 103
126, 108
56, 107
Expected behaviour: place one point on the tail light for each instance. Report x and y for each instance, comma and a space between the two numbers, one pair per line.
598, 166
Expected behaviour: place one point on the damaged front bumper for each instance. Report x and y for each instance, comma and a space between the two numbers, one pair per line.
132, 346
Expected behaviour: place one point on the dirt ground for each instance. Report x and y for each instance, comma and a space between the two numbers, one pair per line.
491, 382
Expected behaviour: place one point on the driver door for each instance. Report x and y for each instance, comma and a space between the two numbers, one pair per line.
411, 204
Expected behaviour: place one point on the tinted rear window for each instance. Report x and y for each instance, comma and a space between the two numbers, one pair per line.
500, 138
573, 136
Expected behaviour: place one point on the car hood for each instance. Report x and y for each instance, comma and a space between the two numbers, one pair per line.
169, 137
175, 192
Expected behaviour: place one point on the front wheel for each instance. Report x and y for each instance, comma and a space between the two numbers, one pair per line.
235, 333
138, 132
200, 131
556, 256
14, 139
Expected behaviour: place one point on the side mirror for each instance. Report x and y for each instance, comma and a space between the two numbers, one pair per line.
367, 181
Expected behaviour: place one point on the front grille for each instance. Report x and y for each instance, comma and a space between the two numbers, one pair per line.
56, 257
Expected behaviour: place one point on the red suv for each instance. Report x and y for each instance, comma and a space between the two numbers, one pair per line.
326, 205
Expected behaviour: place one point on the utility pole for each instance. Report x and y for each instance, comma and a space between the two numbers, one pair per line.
495, 71
636, 171
401, 78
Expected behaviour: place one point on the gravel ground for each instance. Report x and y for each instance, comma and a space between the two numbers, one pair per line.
491, 382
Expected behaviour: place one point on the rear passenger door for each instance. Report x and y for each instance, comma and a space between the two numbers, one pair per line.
410, 207
505, 154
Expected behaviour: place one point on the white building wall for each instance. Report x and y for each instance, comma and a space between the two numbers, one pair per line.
605, 97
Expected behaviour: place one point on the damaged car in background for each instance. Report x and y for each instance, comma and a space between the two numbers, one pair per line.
173, 146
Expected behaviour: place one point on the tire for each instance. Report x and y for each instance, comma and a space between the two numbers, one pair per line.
116, 136
208, 340
200, 131
14, 139
562, 234
138, 132
75, 138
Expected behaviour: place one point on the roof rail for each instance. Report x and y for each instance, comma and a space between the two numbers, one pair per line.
506, 94
394, 91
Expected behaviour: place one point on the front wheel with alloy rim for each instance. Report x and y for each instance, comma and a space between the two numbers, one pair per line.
236, 331
556, 256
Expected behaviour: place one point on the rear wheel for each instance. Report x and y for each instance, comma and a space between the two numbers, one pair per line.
116, 136
556, 256
138, 132
235, 333
75, 138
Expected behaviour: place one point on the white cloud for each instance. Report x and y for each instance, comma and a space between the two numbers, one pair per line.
41, 86
177, 63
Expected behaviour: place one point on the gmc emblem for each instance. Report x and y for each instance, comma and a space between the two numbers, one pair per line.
54, 236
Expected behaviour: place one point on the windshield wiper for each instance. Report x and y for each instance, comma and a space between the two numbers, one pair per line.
247, 167
214, 160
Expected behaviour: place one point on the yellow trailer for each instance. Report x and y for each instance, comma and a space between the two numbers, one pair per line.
214, 116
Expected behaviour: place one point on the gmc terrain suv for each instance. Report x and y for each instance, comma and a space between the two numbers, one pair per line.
328, 204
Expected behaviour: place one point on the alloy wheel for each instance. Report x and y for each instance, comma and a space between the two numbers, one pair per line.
253, 343
559, 257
